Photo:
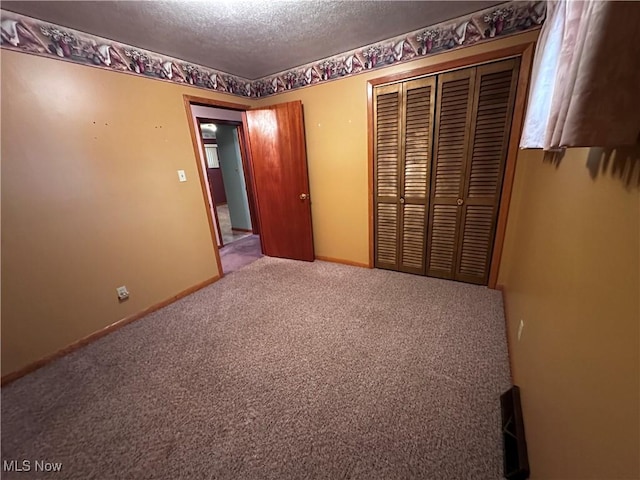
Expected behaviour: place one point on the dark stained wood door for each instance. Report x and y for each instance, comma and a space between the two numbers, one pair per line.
387, 148
454, 107
216, 184
417, 126
402, 153
279, 167
493, 99
473, 122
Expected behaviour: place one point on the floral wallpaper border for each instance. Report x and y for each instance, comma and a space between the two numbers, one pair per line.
29, 35
26, 34
502, 20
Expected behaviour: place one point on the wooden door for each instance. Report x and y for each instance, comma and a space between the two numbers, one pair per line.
403, 131
387, 151
418, 98
279, 170
473, 120
493, 100
216, 185
451, 143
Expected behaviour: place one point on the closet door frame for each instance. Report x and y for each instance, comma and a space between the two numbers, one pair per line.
525, 52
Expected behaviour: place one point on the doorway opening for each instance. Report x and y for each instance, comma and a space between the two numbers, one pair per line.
228, 183
226, 179
252, 166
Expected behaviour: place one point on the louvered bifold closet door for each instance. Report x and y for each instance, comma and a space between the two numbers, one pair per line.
493, 101
417, 120
454, 105
387, 153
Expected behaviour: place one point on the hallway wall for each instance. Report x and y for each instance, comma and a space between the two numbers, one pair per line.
233, 176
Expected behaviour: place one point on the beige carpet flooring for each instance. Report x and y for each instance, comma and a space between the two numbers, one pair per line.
282, 370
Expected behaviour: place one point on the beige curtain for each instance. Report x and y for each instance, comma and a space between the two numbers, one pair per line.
585, 87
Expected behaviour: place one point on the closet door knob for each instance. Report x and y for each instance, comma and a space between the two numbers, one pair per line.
402, 200
460, 201
303, 196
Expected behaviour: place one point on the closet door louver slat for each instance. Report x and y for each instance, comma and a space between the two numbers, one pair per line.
387, 235
443, 238
452, 118
478, 221
419, 103
493, 108
414, 220
387, 145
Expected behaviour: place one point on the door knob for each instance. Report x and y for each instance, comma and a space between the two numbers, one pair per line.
402, 200
460, 201
303, 196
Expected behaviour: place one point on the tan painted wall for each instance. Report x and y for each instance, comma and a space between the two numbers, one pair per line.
336, 130
571, 269
91, 200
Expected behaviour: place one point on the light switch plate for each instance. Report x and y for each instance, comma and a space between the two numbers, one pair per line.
182, 176
123, 293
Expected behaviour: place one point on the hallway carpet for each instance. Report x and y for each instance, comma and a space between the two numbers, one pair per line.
283, 370
240, 253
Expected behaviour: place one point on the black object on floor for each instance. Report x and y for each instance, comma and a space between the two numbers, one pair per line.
516, 459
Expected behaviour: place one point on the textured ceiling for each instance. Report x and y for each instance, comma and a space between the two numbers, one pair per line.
250, 39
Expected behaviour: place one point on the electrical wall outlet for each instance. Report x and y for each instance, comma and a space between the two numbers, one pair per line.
182, 176
520, 328
123, 293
